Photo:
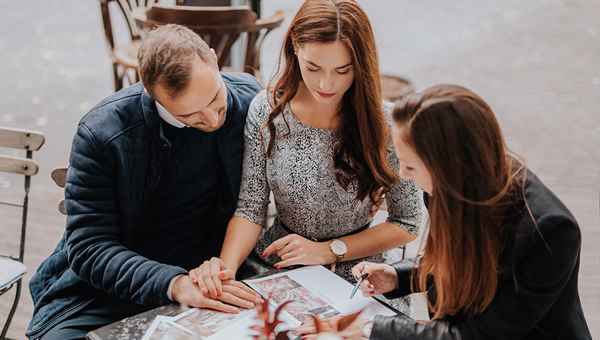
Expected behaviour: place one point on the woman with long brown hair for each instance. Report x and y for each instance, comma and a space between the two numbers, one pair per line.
501, 259
318, 140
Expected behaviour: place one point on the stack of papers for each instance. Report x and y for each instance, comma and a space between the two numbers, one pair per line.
314, 290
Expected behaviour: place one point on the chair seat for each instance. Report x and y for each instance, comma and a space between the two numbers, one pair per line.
126, 55
10, 272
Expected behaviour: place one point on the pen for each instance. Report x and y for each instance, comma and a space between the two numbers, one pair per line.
355, 289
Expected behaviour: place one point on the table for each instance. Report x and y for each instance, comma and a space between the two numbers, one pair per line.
133, 327
254, 4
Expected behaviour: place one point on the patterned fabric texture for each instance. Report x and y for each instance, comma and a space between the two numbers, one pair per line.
301, 176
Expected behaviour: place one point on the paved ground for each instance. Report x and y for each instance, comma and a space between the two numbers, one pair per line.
536, 62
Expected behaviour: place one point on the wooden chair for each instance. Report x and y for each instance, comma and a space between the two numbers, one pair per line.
12, 268
123, 56
255, 5
394, 88
59, 176
220, 27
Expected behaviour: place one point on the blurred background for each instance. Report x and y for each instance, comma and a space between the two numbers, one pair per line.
536, 62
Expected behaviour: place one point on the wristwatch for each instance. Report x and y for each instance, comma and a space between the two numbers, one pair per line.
339, 249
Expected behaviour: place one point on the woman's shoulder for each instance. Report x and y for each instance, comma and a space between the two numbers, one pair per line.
544, 204
388, 109
543, 247
542, 217
260, 108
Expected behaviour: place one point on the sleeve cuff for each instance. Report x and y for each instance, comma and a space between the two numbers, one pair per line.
410, 227
169, 276
404, 270
170, 289
386, 327
251, 217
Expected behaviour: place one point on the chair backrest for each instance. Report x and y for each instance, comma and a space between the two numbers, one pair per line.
29, 141
256, 38
126, 8
18, 165
205, 3
24, 140
219, 26
21, 139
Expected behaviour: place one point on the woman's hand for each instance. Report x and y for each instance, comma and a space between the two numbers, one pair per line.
294, 249
382, 278
354, 331
209, 277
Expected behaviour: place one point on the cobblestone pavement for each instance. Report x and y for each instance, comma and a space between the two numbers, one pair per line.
537, 62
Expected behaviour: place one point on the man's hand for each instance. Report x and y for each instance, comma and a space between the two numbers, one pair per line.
234, 296
294, 250
382, 278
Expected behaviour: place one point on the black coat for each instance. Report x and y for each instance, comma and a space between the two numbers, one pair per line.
114, 169
537, 296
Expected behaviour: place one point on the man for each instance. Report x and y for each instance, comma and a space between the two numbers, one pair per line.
153, 179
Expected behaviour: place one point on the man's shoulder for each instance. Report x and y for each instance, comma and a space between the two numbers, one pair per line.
115, 114
242, 79
243, 86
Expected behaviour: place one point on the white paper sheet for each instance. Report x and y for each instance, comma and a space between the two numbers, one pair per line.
319, 287
315, 289
164, 328
213, 325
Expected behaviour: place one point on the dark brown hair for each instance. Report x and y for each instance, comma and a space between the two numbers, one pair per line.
474, 177
360, 155
166, 55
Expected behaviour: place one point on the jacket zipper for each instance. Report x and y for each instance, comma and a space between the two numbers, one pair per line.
53, 321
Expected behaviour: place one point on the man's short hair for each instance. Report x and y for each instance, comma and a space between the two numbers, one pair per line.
166, 57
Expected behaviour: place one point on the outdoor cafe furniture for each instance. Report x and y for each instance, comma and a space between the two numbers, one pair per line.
12, 268
220, 27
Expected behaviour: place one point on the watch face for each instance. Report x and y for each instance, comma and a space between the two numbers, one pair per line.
338, 247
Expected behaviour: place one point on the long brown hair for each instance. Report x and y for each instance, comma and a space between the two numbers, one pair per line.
474, 178
360, 154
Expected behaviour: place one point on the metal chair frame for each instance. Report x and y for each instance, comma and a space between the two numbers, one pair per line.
30, 141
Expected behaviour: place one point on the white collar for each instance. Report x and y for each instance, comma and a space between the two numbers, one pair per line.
168, 117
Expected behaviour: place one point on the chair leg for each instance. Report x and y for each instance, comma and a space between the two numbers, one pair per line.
12, 311
27, 185
118, 81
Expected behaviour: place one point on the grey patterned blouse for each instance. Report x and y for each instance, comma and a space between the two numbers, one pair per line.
301, 176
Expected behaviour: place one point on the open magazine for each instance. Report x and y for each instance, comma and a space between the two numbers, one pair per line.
314, 290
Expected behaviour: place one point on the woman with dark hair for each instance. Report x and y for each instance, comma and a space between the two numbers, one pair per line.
501, 259
318, 140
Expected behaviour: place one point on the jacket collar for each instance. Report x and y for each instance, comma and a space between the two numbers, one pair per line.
230, 135
152, 118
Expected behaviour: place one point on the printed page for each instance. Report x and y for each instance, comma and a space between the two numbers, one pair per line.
314, 290
163, 328
317, 291
213, 325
